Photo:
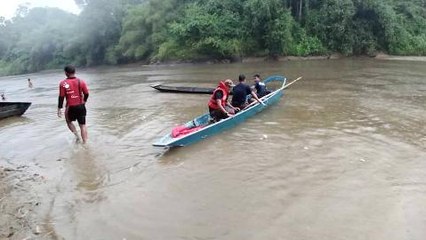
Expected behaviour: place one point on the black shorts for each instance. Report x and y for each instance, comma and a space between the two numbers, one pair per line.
217, 114
77, 113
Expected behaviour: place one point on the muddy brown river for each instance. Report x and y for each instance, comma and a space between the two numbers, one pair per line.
341, 156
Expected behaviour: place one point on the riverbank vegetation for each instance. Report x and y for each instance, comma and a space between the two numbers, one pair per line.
125, 31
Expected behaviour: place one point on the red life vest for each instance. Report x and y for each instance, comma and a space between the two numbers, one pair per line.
224, 88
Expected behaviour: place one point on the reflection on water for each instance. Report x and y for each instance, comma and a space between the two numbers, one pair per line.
341, 156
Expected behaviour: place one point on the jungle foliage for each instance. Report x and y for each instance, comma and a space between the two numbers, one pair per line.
123, 31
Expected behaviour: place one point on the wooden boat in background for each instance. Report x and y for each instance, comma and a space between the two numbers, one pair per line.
174, 89
200, 90
9, 109
205, 129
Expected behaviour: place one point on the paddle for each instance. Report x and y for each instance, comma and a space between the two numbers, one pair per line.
295, 80
282, 88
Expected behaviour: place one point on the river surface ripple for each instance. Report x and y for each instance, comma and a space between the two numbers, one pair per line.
341, 156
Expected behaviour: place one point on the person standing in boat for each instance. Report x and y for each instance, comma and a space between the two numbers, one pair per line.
76, 93
260, 87
219, 106
240, 93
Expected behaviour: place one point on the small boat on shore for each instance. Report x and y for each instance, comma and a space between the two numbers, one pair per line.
201, 127
177, 89
9, 109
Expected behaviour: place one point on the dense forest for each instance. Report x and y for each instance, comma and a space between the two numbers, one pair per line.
125, 31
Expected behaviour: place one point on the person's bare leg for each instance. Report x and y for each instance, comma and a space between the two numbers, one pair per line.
73, 130
71, 125
83, 130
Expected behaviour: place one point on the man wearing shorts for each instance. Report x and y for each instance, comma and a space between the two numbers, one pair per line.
75, 91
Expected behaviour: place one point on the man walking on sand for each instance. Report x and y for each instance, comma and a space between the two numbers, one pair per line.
76, 93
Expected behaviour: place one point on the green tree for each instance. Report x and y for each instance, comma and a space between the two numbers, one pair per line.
331, 23
33, 42
145, 29
99, 29
208, 32
120, 31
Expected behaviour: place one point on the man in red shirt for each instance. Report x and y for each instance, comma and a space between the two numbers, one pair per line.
76, 92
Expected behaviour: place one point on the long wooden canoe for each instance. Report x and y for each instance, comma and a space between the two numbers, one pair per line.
206, 129
200, 90
180, 89
9, 109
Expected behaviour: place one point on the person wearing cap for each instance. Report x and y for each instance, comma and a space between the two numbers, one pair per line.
260, 87
219, 106
240, 93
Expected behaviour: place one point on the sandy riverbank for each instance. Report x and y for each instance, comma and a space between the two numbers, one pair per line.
379, 56
18, 204
292, 58
383, 56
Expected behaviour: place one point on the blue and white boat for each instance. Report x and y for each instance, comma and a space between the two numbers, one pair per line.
206, 129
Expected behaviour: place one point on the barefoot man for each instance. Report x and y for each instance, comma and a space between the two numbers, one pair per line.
76, 92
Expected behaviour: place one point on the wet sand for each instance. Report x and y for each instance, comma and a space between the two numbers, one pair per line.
19, 218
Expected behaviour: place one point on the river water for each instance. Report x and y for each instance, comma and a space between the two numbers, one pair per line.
341, 156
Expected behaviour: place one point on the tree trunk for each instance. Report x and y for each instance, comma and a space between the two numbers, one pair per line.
306, 9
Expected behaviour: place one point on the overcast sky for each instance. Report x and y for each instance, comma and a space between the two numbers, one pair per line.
8, 7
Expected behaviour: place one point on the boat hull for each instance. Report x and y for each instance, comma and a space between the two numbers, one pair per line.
10, 109
177, 89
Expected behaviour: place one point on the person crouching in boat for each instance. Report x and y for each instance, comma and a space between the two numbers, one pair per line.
260, 86
219, 107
